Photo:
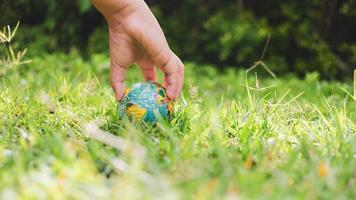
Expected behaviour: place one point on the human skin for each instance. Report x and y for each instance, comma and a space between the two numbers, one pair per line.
135, 36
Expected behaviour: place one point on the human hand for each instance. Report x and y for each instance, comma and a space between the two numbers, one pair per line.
136, 37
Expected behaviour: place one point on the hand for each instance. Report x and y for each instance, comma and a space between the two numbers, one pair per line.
136, 37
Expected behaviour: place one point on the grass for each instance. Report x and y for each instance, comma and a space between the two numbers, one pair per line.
236, 136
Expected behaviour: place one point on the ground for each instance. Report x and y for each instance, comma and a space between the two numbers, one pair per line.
234, 135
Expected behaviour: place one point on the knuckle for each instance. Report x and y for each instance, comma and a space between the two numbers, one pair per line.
115, 82
162, 58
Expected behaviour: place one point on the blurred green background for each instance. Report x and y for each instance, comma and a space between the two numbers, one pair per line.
306, 36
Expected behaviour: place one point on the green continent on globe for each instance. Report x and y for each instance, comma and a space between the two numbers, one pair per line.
145, 100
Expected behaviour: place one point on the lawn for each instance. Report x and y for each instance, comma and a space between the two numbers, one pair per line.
234, 135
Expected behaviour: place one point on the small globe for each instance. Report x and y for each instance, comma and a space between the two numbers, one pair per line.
144, 101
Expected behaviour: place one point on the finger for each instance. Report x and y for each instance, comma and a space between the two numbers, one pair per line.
171, 83
167, 63
152, 39
117, 79
180, 66
148, 69
178, 79
120, 57
171, 78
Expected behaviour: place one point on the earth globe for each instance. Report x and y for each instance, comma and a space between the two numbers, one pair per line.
145, 101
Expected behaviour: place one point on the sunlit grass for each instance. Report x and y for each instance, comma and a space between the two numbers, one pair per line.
237, 135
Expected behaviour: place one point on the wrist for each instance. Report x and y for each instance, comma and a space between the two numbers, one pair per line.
115, 11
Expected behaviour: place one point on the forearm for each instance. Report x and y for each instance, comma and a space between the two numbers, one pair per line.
116, 9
